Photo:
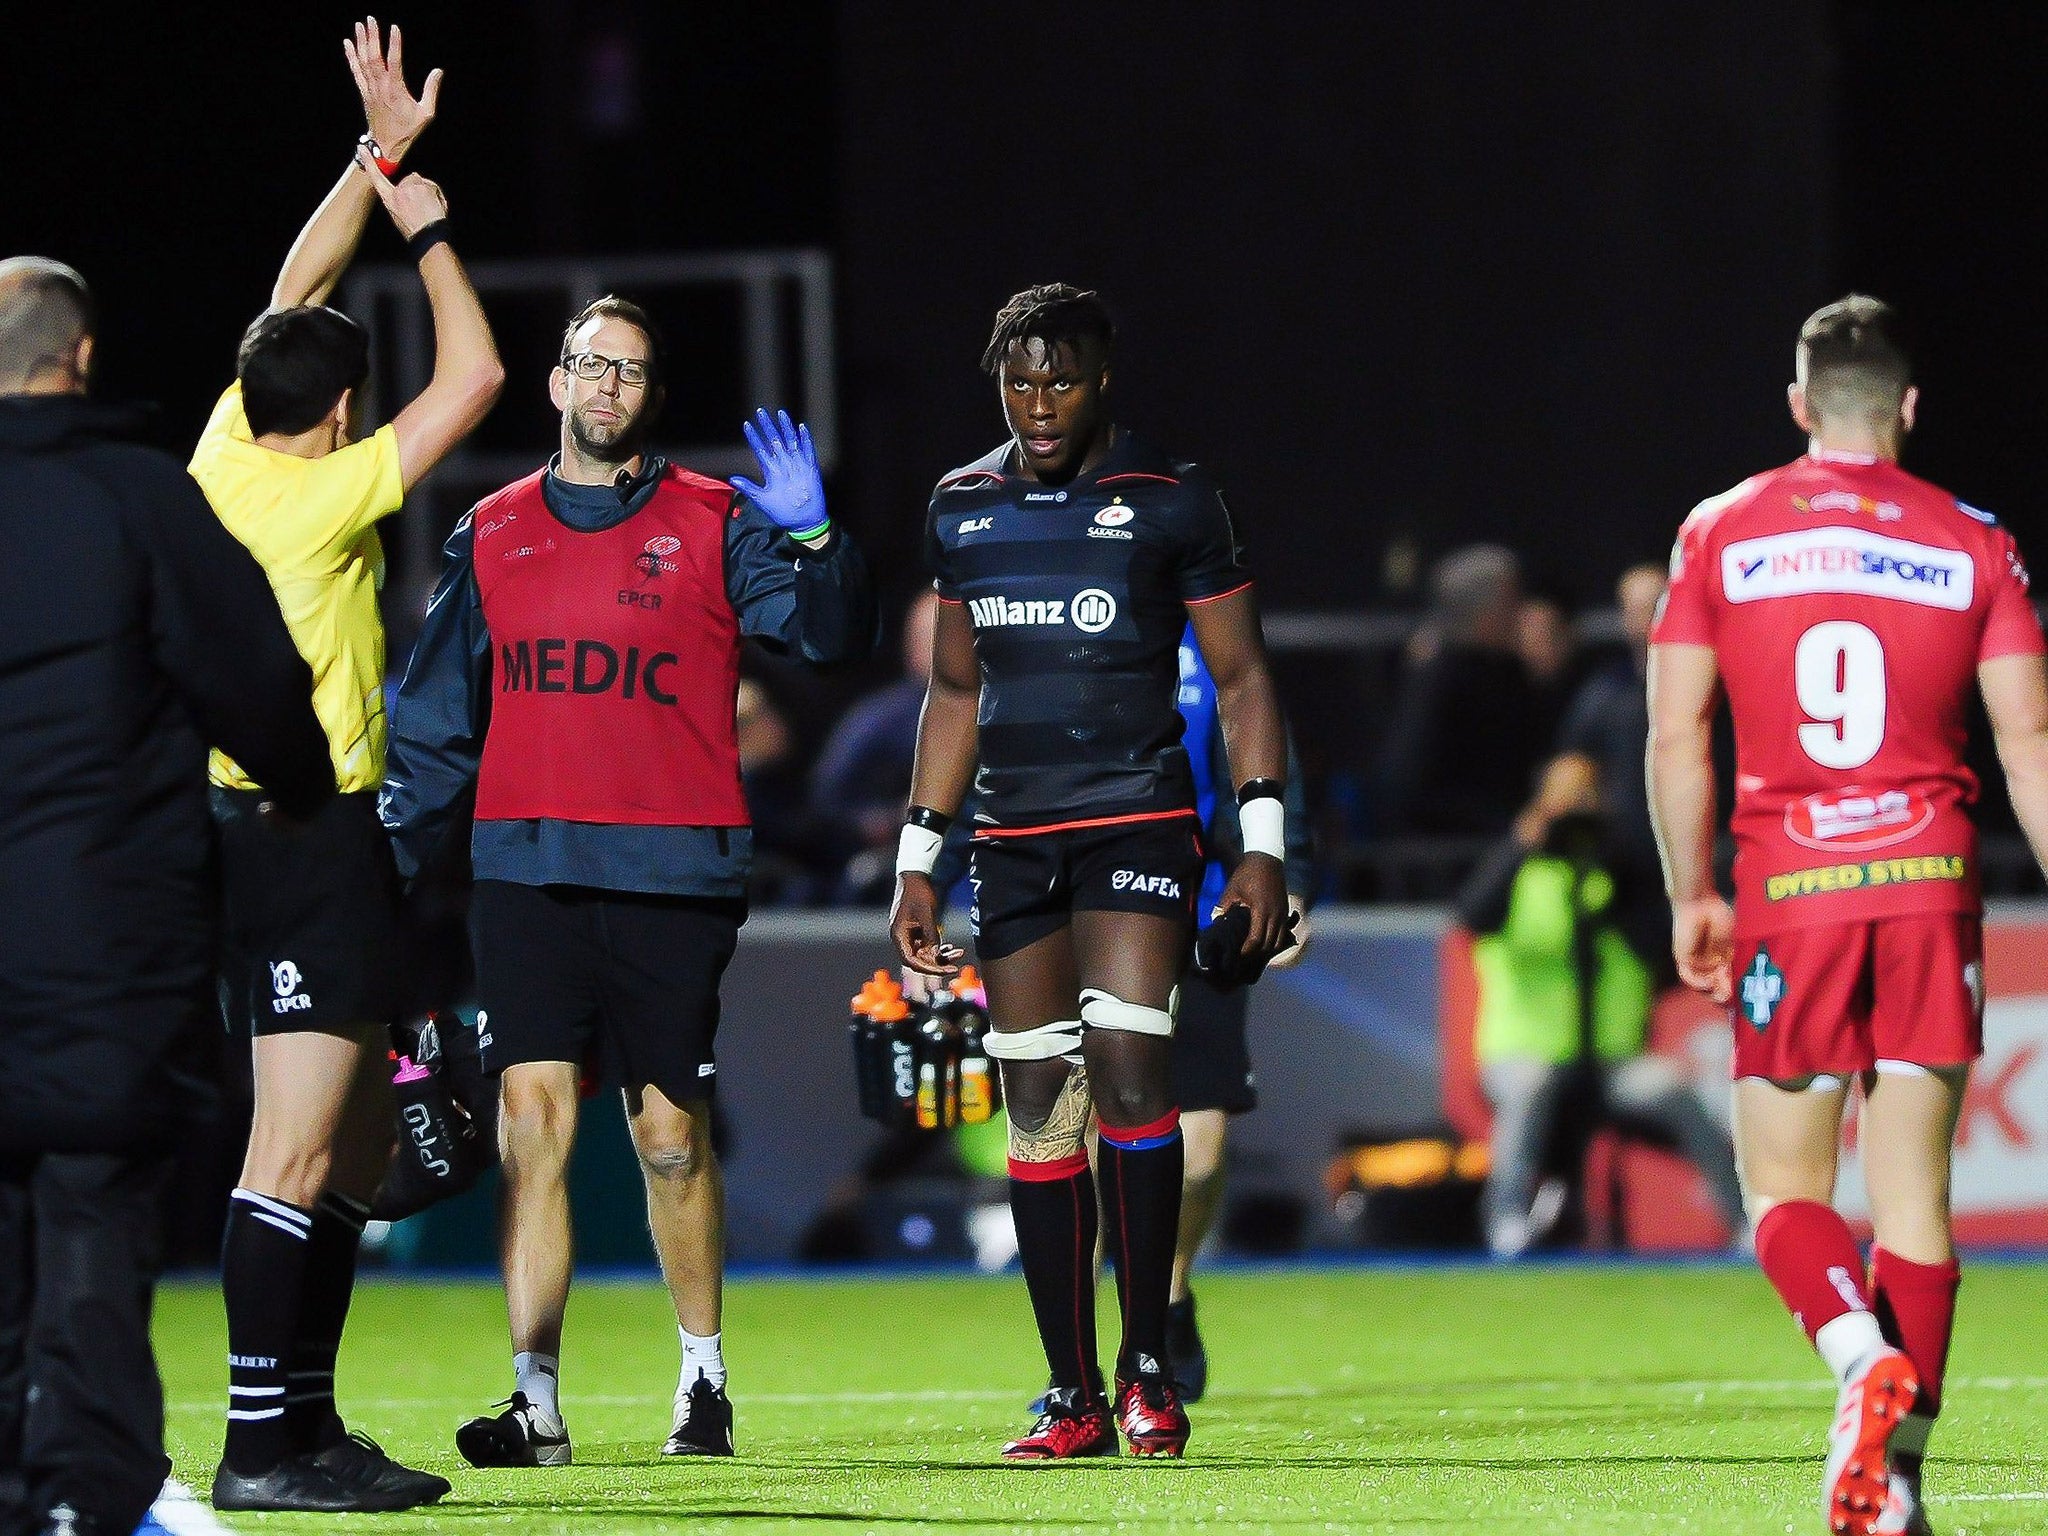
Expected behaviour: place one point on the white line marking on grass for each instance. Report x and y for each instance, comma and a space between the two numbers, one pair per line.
1989, 1498
1405, 1391
1817, 1385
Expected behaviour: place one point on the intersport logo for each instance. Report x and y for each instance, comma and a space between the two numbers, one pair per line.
1854, 561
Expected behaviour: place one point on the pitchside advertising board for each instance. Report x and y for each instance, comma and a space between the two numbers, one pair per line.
2001, 1165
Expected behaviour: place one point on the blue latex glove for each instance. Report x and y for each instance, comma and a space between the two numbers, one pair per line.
794, 493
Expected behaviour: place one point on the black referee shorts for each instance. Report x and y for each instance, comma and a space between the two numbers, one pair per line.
563, 968
310, 940
1212, 1058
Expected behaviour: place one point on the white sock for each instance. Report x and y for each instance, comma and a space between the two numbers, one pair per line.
540, 1378
1848, 1342
701, 1352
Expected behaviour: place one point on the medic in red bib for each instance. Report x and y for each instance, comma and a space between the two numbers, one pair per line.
579, 667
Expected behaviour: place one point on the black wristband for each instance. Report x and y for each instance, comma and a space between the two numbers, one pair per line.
423, 241
1261, 789
931, 820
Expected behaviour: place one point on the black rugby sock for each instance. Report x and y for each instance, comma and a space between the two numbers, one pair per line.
1054, 1207
1140, 1173
262, 1267
309, 1414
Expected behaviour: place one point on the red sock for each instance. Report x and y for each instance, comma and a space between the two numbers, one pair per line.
1810, 1257
1916, 1307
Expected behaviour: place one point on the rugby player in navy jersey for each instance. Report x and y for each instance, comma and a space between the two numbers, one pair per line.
1067, 563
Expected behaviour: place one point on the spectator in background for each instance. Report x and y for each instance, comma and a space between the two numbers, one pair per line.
1467, 728
786, 849
1603, 740
1564, 1014
861, 782
1544, 640
862, 779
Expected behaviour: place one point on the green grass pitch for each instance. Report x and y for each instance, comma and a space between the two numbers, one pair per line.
1610, 1399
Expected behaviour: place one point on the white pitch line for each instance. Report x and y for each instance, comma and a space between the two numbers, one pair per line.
1989, 1498
1818, 1386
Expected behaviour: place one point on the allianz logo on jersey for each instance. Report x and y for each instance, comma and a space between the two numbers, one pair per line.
1091, 611
1852, 561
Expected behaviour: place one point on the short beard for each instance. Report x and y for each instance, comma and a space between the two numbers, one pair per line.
623, 445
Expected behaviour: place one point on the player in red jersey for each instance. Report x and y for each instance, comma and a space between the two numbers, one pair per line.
1846, 608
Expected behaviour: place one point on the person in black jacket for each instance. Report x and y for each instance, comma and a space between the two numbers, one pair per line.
134, 631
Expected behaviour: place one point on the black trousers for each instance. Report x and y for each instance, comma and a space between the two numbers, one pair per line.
81, 1405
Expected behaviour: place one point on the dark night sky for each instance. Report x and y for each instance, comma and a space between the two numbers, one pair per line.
1400, 268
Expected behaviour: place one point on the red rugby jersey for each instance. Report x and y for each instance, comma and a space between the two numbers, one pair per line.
1849, 604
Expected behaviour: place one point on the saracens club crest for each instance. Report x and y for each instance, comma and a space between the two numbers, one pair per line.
656, 556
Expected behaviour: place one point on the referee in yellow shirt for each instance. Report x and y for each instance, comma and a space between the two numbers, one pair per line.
312, 910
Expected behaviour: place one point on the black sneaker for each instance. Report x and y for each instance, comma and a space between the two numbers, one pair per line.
298, 1484
703, 1422
521, 1436
359, 1462
1184, 1349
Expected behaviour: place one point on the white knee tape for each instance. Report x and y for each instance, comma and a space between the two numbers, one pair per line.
1099, 1010
1062, 1037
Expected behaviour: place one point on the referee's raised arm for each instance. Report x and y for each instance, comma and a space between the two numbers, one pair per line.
468, 376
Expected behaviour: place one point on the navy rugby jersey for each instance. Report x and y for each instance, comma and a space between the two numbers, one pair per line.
1078, 594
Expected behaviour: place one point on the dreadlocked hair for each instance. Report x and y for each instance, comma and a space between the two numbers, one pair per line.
1053, 315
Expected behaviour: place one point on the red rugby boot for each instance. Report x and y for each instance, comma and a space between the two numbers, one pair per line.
1071, 1425
1856, 1485
1148, 1411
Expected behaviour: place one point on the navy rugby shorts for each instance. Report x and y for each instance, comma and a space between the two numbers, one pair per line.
1029, 885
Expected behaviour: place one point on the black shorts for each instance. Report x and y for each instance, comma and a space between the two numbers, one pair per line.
560, 968
1028, 886
310, 935
1212, 1058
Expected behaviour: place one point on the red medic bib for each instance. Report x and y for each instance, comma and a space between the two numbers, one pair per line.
614, 661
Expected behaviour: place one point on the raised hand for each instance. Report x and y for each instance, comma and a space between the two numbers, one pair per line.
413, 203
395, 118
793, 491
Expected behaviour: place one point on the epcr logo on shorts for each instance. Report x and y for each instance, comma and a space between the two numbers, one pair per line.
284, 981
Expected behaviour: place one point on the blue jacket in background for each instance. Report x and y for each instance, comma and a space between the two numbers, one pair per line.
1222, 840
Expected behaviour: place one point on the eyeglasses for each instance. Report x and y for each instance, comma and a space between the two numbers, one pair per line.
633, 372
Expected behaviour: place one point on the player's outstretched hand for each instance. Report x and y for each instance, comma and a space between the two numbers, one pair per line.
914, 925
1703, 944
395, 117
413, 203
792, 491
1297, 937
1259, 884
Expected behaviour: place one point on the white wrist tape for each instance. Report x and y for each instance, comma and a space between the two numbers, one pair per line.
1264, 824
917, 850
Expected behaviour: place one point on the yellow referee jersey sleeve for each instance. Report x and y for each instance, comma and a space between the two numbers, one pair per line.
311, 524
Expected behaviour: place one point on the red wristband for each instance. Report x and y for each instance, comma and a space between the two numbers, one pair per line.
384, 162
